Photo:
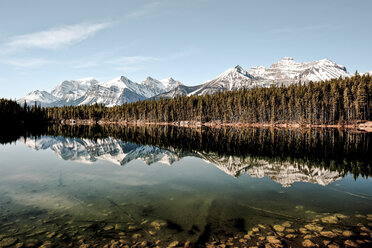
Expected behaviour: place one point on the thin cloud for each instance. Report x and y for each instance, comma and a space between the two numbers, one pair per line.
299, 29
131, 60
56, 38
26, 63
145, 10
119, 62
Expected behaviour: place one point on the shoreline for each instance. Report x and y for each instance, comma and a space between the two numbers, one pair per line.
365, 126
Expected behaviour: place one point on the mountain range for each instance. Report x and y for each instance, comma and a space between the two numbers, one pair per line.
121, 153
121, 89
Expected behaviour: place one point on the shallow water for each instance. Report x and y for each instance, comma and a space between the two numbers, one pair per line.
188, 188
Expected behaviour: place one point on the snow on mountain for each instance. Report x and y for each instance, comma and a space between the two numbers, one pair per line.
169, 84
70, 90
232, 79
114, 92
160, 86
368, 73
108, 96
287, 71
120, 153
40, 97
180, 90
120, 90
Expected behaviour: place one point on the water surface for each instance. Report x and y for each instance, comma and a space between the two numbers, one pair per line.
160, 186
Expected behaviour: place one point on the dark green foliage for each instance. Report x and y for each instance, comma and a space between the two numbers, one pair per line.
331, 102
14, 115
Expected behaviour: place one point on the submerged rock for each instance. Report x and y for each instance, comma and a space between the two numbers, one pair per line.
273, 240
347, 233
315, 228
173, 244
8, 242
328, 234
330, 219
108, 228
261, 226
287, 224
279, 228
340, 216
136, 236
308, 243
132, 228
326, 242
365, 229
290, 236
351, 243
19, 245
333, 245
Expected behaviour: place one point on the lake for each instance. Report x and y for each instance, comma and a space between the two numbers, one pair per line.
115, 186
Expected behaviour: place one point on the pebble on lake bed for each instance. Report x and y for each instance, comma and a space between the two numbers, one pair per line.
312, 227
173, 244
108, 228
273, 240
328, 234
279, 228
347, 233
308, 243
330, 219
351, 243
8, 242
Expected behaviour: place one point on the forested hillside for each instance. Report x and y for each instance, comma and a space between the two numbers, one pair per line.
13, 114
330, 102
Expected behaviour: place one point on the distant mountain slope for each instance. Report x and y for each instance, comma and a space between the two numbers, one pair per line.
287, 71
232, 79
178, 91
121, 89
43, 98
70, 90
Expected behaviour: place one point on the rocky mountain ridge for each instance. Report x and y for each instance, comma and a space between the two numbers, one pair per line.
121, 89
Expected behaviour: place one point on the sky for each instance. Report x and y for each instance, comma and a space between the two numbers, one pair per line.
44, 42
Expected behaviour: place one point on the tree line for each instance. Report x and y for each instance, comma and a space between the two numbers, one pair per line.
15, 115
329, 102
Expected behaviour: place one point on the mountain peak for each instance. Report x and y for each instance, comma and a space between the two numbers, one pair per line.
287, 59
150, 78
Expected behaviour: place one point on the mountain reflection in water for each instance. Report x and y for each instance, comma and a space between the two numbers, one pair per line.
120, 153
286, 156
204, 187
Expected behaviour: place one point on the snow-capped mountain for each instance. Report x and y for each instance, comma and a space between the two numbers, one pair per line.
120, 90
232, 79
368, 73
159, 86
287, 71
115, 92
89, 91
39, 97
180, 90
120, 153
70, 91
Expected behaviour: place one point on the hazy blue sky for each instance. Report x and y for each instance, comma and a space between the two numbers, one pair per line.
45, 42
